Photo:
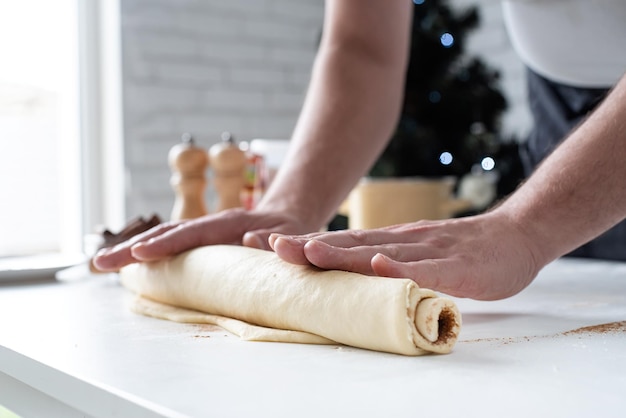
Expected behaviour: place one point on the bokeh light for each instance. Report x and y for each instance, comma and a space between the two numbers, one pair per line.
446, 158
434, 96
488, 163
447, 40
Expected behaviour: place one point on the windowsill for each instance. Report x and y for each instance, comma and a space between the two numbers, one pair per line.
36, 267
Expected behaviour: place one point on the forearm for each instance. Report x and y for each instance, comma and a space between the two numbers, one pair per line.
350, 112
579, 191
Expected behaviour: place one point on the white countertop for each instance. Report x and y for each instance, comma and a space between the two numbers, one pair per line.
74, 349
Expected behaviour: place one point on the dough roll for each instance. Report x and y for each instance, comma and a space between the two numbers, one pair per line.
294, 303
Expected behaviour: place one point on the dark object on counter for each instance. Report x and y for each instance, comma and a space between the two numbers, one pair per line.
134, 227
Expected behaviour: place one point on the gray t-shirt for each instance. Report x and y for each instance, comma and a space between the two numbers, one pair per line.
575, 42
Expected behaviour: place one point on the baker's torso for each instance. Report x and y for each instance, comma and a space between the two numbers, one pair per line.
576, 42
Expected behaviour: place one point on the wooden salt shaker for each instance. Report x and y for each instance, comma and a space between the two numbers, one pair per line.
228, 162
188, 163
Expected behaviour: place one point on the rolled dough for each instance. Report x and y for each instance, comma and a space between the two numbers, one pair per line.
258, 296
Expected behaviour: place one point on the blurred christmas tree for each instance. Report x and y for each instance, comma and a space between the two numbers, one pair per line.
452, 104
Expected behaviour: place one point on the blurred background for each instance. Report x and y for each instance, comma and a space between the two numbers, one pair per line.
93, 94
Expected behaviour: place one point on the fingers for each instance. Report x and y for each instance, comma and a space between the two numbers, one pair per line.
288, 249
451, 276
426, 273
256, 239
292, 248
398, 234
294, 239
112, 259
406, 251
225, 228
262, 238
234, 226
172, 238
357, 259
460, 257
356, 237
443, 275
171, 242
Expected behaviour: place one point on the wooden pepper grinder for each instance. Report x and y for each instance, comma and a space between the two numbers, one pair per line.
228, 162
188, 163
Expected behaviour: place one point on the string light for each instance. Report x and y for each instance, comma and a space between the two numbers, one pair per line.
434, 96
447, 40
488, 163
446, 158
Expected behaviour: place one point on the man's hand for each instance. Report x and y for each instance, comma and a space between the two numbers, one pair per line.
482, 257
236, 226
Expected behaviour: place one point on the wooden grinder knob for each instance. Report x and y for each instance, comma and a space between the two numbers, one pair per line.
188, 163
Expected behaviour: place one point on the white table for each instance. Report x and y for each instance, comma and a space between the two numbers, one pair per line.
74, 349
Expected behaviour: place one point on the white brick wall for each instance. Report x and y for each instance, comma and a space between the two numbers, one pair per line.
206, 66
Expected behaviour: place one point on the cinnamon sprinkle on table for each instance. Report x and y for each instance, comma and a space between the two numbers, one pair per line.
610, 328
618, 327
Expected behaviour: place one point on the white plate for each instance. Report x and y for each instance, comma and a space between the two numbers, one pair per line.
36, 267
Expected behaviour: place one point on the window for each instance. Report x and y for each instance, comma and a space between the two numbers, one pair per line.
38, 126
60, 162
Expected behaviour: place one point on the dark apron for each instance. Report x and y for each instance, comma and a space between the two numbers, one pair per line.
556, 109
